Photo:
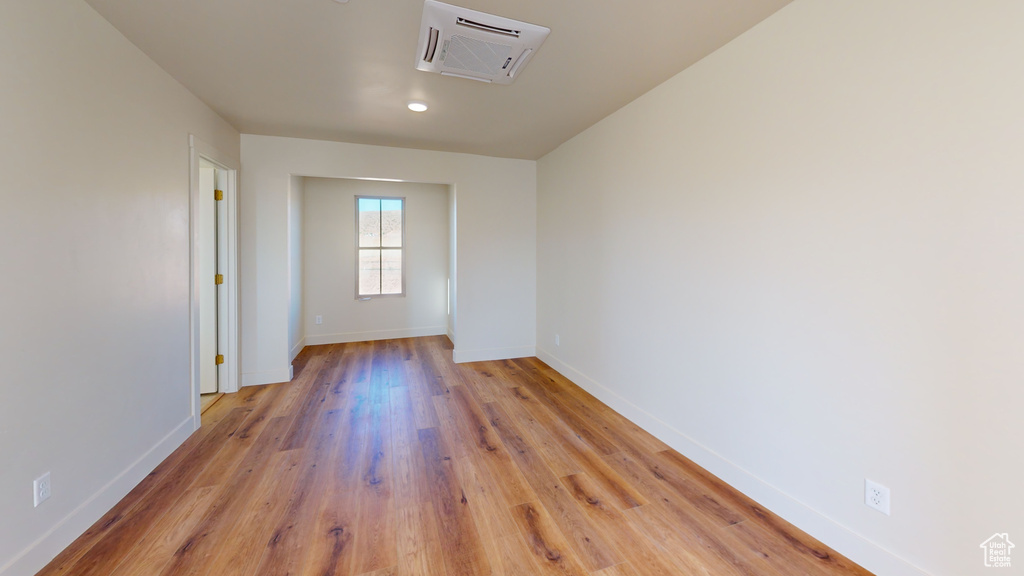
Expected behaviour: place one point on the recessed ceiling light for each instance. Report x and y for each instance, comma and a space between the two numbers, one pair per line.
418, 106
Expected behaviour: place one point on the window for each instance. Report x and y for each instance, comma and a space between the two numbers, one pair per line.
380, 241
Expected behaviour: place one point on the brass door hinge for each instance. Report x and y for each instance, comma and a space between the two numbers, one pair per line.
218, 279
218, 194
220, 359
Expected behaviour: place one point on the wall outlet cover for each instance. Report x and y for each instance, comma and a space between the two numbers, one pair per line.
41, 489
876, 496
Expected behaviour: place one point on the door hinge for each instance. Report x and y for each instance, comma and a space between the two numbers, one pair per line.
220, 359
218, 194
218, 279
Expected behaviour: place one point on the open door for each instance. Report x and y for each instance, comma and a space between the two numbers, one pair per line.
209, 300
213, 299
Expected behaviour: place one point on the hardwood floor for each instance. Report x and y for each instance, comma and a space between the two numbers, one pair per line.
387, 459
207, 400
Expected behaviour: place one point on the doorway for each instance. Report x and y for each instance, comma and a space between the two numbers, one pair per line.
214, 265
211, 197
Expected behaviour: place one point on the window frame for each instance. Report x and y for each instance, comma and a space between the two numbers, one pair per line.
402, 199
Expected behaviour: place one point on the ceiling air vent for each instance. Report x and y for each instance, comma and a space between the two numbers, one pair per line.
469, 44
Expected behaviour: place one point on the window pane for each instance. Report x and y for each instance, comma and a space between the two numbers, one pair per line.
369, 272
391, 272
391, 222
369, 222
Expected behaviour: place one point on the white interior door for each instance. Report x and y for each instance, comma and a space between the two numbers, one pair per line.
208, 298
223, 306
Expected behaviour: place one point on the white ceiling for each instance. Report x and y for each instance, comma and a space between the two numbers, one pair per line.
329, 71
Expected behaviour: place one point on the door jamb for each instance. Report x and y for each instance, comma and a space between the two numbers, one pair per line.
229, 381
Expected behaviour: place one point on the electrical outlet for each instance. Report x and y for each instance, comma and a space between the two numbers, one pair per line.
876, 496
557, 340
41, 489
319, 319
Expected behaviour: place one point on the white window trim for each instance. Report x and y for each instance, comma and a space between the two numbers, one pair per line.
402, 248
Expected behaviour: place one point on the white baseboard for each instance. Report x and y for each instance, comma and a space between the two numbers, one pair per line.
833, 534
65, 531
267, 377
321, 339
298, 348
486, 354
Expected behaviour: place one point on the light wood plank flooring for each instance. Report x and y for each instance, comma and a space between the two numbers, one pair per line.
387, 459
208, 400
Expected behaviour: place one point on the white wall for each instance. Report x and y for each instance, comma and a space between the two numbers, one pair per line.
330, 283
495, 242
94, 247
801, 262
296, 253
453, 262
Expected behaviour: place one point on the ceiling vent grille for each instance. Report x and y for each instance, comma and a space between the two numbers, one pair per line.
469, 44
487, 27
